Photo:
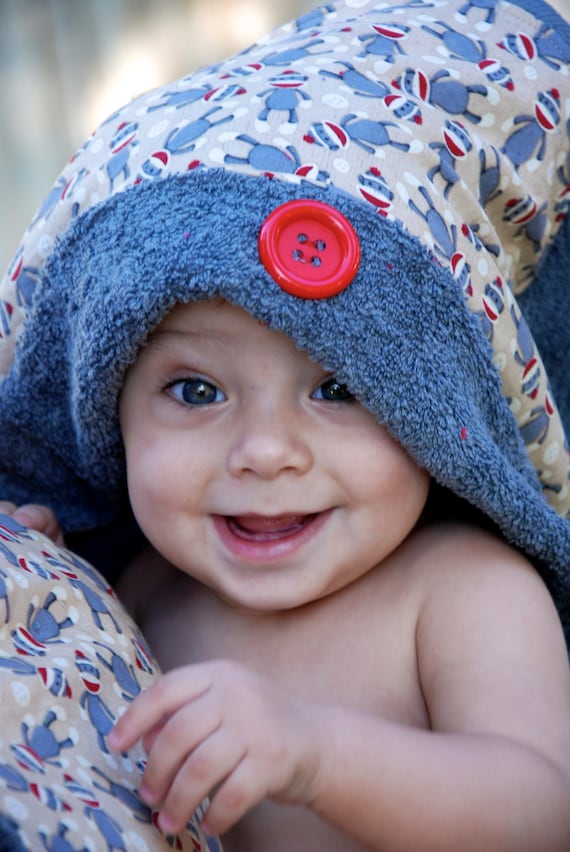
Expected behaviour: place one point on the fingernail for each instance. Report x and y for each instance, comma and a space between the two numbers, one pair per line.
113, 740
147, 795
165, 824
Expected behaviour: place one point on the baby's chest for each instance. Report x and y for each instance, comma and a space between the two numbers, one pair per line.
353, 654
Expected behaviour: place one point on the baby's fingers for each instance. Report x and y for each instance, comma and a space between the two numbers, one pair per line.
148, 712
243, 788
35, 516
217, 758
174, 744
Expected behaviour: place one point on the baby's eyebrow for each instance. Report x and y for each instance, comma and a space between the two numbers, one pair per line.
163, 337
160, 340
155, 340
162, 333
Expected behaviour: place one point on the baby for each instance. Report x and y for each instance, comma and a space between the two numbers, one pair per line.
330, 636
270, 340
324, 649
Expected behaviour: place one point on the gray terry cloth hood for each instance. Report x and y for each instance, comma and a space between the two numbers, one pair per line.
436, 134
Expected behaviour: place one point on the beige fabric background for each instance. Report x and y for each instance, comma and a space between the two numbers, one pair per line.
67, 64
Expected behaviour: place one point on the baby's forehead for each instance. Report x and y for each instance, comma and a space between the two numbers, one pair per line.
203, 308
209, 316
214, 320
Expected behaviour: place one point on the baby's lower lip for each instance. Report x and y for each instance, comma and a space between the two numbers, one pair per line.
261, 538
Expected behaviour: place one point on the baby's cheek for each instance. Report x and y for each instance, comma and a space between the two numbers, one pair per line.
146, 478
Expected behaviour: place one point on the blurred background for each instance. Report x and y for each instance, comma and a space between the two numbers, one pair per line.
65, 65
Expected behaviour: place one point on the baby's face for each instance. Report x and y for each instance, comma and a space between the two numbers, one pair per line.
252, 469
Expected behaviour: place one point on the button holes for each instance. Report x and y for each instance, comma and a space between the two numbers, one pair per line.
320, 245
299, 256
302, 238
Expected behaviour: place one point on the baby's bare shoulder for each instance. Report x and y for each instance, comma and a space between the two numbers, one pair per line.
490, 646
441, 562
469, 576
445, 556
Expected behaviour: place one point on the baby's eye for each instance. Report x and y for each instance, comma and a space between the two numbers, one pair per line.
333, 391
195, 392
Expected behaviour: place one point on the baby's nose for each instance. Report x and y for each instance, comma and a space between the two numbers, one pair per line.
271, 441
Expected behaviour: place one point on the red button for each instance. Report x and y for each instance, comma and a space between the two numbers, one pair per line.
309, 248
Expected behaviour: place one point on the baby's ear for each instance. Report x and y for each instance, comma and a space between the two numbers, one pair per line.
71, 660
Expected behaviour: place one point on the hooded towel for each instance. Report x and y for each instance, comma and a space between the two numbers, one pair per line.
428, 142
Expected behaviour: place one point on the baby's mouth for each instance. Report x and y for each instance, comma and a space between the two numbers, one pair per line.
261, 528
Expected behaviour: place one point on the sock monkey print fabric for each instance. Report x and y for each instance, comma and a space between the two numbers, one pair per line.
70, 661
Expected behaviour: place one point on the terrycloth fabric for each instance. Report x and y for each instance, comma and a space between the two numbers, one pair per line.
441, 131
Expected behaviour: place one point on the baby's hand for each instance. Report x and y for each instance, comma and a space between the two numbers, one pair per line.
39, 518
220, 729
